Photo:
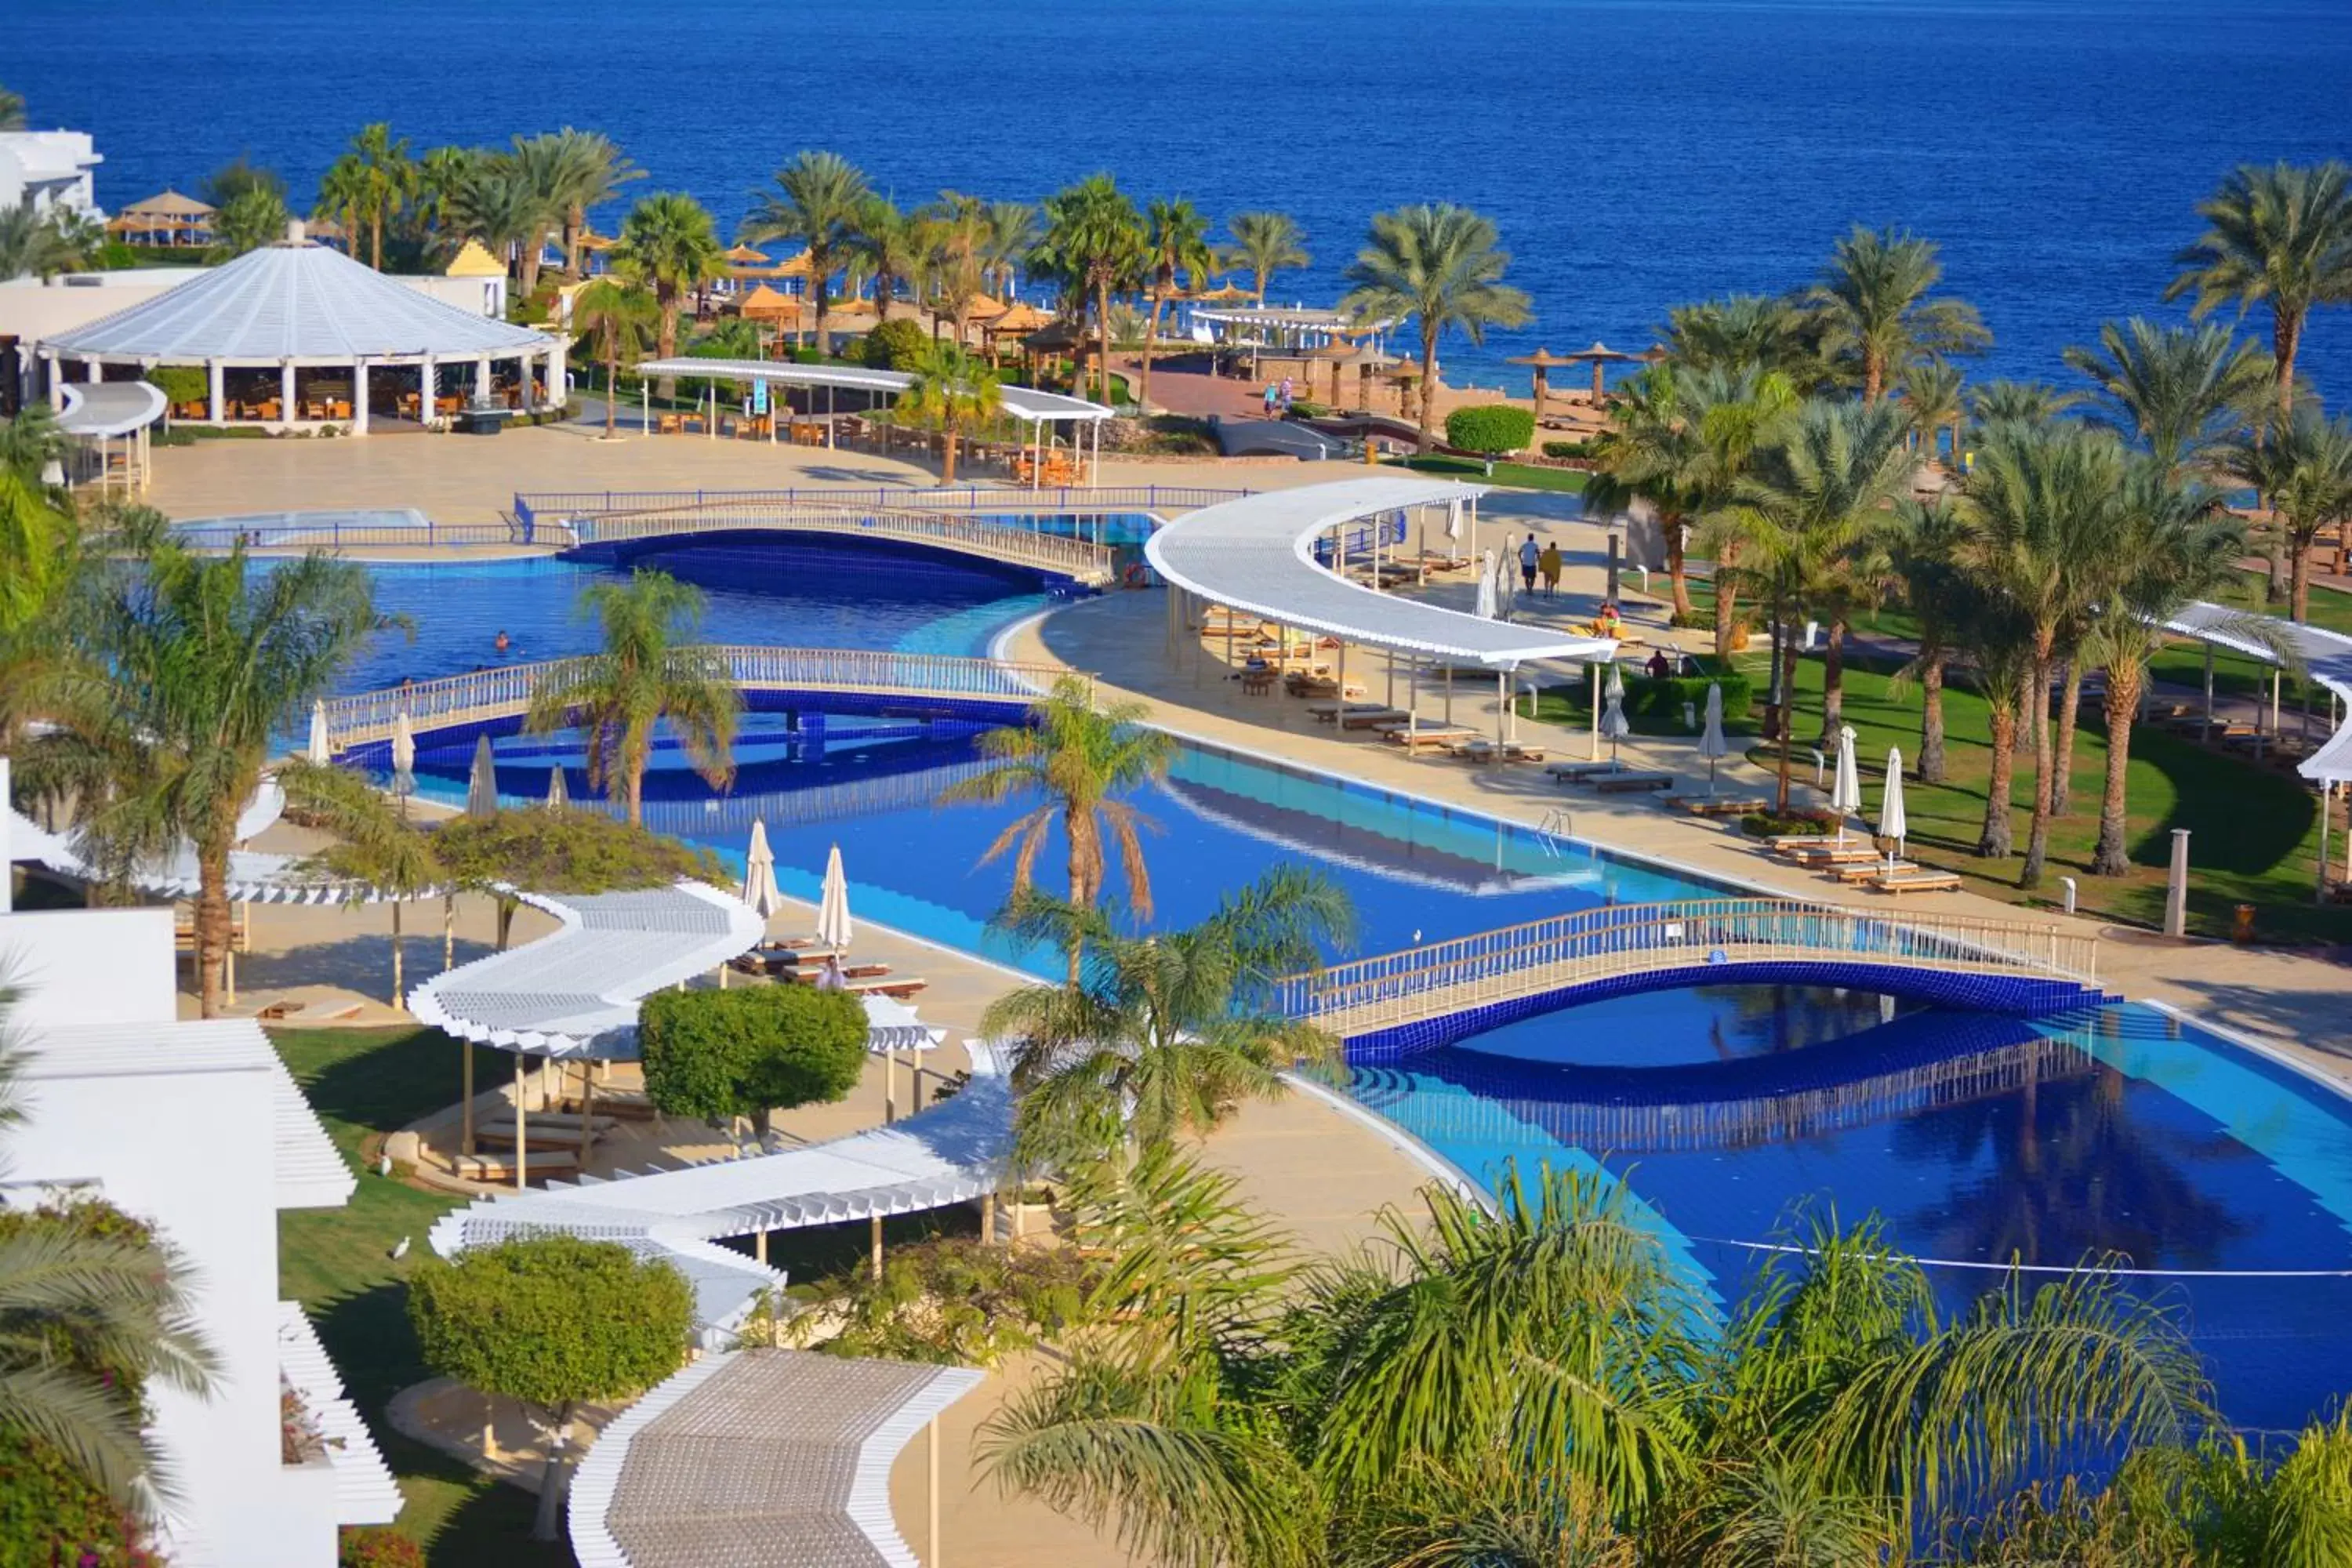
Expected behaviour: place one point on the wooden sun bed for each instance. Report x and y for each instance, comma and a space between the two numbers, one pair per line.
1438, 737
1852, 852
1781, 842
1482, 750
1578, 772
1631, 782
1371, 718
1852, 875
501, 1167
1721, 806
1916, 882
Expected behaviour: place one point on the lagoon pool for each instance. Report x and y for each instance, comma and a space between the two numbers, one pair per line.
1980, 1138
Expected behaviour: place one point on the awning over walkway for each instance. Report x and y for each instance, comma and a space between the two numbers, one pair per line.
1257, 554
105, 410
759, 1458
1025, 404
2326, 655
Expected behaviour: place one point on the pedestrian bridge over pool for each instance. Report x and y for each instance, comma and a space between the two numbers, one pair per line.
618, 535
771, 680
1400, 1002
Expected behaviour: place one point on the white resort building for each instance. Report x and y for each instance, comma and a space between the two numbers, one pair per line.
50, 169
197, 1129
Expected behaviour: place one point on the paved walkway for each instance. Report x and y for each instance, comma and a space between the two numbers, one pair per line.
2298, 1004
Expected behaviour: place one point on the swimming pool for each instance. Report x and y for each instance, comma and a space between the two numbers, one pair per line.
1978, 1138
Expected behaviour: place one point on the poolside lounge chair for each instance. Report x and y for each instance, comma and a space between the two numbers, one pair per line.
1629, 782
1854, 875
1578, 772
1784, 843
1916, 881
1371, 718
1721, 805
1435, 738
1852, 852
500, 1168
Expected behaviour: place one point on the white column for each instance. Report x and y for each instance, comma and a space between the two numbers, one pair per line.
555, 376
91, 369
482, 378
58, 385
359, 397
428, 388
219, 393
285, 393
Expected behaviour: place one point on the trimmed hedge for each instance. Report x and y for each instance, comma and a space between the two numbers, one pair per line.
895, 345
376, 1546
1494, 427
1568, 448
1663, 698
743, 1052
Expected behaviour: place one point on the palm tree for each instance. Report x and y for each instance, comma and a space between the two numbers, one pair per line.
617, 315
1094, 242
1873, 307
1163, 1035
41, 245
43, 567
89, 1319
818, 199
501, 206
1809, 526
2181, 391
952, 392
1012, 230
342, 202
443, 175
886, 245
577, 170
1933, 398
640, 678
1996, 402
194, 672
2177, 545
1264, 244
1649, 453
12, 109
386, 179
958, 229
245, 224
1440, 266
376, 846
1079, 758
667, 242
1180, 257
2280, 237
2303, 470
1926, 551
2045, 504
1759, 332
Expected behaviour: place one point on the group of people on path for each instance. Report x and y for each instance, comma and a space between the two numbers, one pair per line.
1278, 398
1542, 560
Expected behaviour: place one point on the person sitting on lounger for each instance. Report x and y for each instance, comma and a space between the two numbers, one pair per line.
1658, 667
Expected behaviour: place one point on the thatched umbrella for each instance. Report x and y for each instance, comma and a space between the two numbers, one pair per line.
1545, 362
1336, 355
1059, 338
1602, 355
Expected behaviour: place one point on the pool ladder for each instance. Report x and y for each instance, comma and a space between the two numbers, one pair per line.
1554, 827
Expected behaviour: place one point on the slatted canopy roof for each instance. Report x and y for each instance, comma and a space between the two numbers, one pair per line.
1257, 554
293, 302
1024, 403
2326, 655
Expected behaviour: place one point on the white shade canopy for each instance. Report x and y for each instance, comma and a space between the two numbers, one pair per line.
760, 889
833, 924
295, 300
1892, 823
1845, 789
1022, 402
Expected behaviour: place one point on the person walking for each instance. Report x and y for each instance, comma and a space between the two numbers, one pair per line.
1531, 559
1271, 393
1549, 562
1285, 394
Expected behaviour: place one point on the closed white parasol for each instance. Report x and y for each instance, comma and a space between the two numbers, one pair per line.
760, 889
1711, 743
1845, 790
833, 927
1891, 822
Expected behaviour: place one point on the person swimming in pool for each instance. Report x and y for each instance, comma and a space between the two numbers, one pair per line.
501, 644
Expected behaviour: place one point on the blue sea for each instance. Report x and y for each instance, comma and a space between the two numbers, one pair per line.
1635, 154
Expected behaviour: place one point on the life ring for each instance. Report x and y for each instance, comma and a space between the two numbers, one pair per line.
1137, 576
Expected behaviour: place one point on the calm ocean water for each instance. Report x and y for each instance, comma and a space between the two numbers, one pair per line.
1635, 154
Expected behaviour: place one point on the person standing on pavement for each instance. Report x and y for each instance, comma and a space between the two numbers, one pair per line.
1530, 558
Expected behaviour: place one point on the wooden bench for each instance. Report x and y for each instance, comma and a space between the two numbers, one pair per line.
1578, 772
1852, 852
1371, 718
1436, 739
1631, 782
493, 1168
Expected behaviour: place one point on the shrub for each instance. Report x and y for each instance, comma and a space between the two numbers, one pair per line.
181, 383
1662, 697
1492, 428
742, 1053
1301, 408
579, 850
953, 1300
376, 1546
1768, 824
894, 345
1564, 449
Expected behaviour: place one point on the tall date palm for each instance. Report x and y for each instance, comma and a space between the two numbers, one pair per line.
2276, 236
818, 199
668, 243
1441, 265
1180, 257
1873, 302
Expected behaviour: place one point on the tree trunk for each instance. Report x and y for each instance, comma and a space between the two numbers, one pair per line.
1102, 333
375, 239
1726, 608
2113, 857
1784, 651
2036, 711
1159, 303
2299, 592
2287, 343
508, 904
1931, 719
666, 336
1833, 683
947, 447
548, 1520
637, 794
612, 390
1677, 573
2070, 702
1997, 839
1427, 436
213, 921
1874, 375
817, 292
1086, 855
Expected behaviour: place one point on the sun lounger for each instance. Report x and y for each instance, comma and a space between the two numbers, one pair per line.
1577, 773
1852, 852
1876, 866
1781, 842
1432, 737
892, 986
1371, 718
1631, 782
1719, 805
1916, 882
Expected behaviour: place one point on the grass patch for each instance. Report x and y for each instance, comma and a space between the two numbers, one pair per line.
2255, 830
365, 1083
1520, 476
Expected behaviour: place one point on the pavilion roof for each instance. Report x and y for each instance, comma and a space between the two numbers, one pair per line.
473, 261
170, 205
294, 300
766, 301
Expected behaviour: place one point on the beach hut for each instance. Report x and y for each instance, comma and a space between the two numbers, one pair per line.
170, 219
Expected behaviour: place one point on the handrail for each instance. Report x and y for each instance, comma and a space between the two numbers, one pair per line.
1440, 978
1065, 499
1090, 563
363, 717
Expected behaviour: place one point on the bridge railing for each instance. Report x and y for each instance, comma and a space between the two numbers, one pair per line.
1565, 949
362, 717
1070, 500
327, 534
1028, 546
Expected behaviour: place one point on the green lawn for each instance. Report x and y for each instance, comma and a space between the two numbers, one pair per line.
2254, 829
1520, 476
337, 1262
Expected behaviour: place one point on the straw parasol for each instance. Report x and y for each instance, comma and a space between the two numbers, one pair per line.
742, 256
1845, 790
1601, 355
482, 787
760, 889
1224, 294
1892, 823
1545, 362
833, 926
764, 301
1711, 743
